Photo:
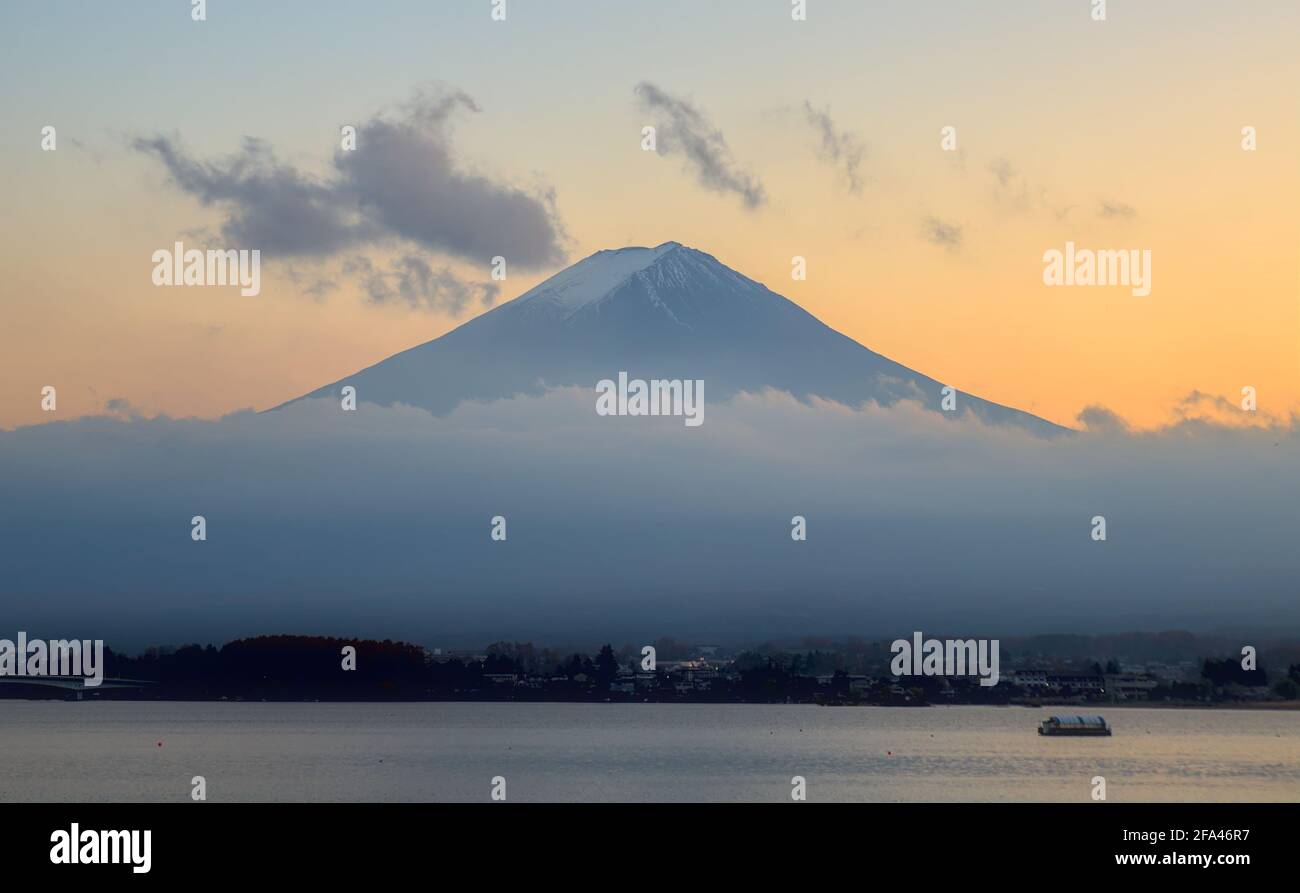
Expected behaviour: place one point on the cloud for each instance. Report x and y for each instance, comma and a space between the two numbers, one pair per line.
1013, 191
1101, 419
683, 129
1003, 171
120, 406
1199, 406
402, 182
1112, 210
1011, 187
269, 205
410, 279
945, 235
376, 522
838, 147
316, 286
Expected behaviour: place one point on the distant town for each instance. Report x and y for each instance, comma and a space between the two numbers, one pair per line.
1138, 668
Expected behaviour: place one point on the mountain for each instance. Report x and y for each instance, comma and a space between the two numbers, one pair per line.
664, 312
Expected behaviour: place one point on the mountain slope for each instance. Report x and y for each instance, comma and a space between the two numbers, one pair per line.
664, 312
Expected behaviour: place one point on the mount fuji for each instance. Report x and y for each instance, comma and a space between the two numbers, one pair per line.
665, 312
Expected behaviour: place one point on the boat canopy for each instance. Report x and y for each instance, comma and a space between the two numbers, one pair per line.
1078, 720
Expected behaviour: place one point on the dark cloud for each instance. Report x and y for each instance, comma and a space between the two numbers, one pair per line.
837, 147
937, 232
683, 129
269, 205
402, 182
403, 179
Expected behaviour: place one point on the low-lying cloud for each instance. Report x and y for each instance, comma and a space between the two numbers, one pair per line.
376, 522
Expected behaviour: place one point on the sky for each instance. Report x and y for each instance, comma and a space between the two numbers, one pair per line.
523, 138
524, 141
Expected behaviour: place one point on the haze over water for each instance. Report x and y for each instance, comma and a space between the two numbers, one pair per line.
109, 751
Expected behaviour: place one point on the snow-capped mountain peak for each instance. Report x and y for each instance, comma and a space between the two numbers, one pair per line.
593, 277
669, 311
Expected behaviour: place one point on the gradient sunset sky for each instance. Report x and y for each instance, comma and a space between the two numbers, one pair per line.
1117, 134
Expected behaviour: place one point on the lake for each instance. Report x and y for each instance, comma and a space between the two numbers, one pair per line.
109, 751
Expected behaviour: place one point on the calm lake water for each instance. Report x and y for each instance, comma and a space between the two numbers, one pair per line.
108, 751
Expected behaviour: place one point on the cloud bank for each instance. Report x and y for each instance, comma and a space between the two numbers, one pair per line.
376, 522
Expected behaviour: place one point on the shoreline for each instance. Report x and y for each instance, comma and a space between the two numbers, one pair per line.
1046, 705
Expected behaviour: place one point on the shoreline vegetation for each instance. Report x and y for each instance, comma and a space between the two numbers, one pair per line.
1070, 672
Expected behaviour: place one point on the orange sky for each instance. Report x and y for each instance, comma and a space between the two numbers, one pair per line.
1154, 132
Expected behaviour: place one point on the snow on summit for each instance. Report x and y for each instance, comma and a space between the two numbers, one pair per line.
594, 277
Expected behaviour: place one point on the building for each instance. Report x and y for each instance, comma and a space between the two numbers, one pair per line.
1130, 686
1077, 683
1030, 678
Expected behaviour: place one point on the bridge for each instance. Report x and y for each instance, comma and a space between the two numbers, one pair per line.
75, 685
